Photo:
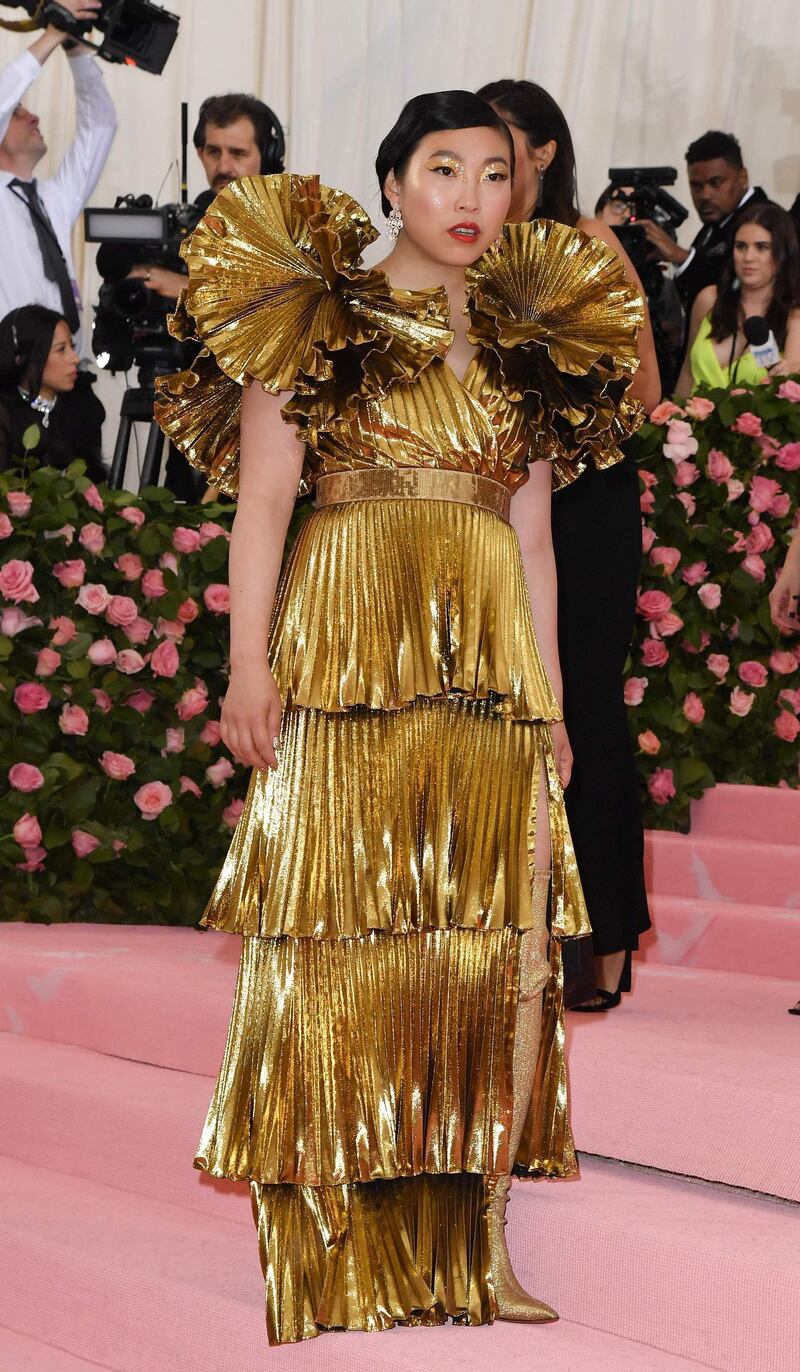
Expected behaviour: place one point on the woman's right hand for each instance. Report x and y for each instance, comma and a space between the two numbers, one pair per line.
251, 716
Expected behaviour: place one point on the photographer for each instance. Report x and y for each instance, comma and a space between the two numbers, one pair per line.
720, 187
36, 219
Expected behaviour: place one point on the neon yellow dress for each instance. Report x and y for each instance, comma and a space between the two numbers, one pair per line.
381, 878
707, 370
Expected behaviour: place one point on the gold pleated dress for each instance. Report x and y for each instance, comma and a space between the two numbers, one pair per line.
381, 878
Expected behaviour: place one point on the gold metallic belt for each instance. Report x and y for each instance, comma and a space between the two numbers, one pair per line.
414, 483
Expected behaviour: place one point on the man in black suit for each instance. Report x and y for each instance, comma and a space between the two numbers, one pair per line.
720, 187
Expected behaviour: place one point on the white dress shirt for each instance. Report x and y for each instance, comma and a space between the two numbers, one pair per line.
22, 278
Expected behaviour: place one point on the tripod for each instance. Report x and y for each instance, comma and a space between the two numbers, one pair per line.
137, 408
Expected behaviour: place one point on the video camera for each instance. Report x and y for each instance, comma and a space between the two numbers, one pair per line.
135, 32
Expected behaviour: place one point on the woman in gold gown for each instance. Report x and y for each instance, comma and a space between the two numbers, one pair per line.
396, 1045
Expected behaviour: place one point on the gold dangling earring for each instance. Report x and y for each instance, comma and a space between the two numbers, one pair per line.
499, 241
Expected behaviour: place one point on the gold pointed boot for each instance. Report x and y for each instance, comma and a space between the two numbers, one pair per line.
513, 1302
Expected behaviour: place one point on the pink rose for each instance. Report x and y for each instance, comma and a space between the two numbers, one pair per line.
23, 776
102, 652
191, 786
19, 503
139, 631
217, 598
165, 661
47, 661
653, 605
13, 621
783, 662
693, 708
152, 798
753, 673
210, 530
668, 558
663, 412
647, 502
93, 598
34, 860
133, 515
789, 390
719, 664
27, 831
695, 573
763, 490
211, 732
748, 424
792, 699
121, 610
787, 726
131, 566
16, 581
649, 742
759, 539
153, 584
686, 473
681, 442
175, 741
67, 532
699, 407
789, 457
185, 540
129, 661
654, 652
647, 478
688, 502
119, 845
193, 702
220, 771
141, 701
102, 700
83, 844
232, 812
117, 766
720, 467
741, 702
668, 624
648, 537
754, 566
70, 574
188, 610
65, 630
781, 505
93, 497
170, 628
92, 537
710, 595
73, 720
6, 527
735, 488
661, 785
31, 697
635, 688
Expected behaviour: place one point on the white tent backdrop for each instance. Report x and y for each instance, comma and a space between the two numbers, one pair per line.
637, 79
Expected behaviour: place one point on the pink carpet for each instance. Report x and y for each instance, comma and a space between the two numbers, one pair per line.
115, 1254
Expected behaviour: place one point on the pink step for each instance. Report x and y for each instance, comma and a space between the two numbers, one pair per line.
696, 1073
143, 1286
770, 814
716, 868
688, 931
20, 1354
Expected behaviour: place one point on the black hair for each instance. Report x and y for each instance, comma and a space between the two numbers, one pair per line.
26, 337
530, 108
786, 287
431, 113
715, 144
604, 198
222, 110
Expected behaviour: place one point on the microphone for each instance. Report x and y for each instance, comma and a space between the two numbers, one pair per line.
762, 341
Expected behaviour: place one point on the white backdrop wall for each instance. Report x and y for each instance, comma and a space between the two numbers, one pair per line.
637, 79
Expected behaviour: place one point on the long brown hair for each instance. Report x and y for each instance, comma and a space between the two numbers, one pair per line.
785, 288
530, 108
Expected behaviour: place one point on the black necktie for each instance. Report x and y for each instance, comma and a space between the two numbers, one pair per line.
55, 267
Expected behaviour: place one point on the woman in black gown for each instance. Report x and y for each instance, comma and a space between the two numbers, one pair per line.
597, 538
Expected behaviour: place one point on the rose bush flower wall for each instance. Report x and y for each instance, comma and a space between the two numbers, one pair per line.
118, 798
713, 688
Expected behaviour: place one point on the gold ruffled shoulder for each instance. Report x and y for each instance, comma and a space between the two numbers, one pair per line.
560, 319
277, 294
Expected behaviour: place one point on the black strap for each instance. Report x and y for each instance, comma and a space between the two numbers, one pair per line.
53, 260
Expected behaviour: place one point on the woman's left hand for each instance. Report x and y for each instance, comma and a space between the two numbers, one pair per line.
562, 751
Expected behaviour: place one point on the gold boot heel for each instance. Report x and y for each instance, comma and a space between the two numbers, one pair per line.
513, 1302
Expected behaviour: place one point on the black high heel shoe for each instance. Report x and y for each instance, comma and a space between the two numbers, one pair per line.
609, 1000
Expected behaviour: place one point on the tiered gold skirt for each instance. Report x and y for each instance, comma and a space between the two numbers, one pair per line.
381, 878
